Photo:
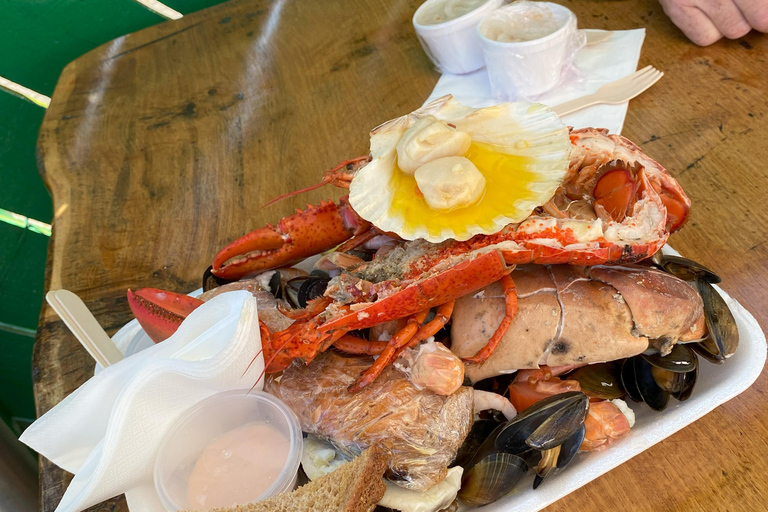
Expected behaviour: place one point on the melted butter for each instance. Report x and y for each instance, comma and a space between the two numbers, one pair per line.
507, 182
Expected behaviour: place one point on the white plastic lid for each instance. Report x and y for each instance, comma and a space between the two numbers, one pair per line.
207, 425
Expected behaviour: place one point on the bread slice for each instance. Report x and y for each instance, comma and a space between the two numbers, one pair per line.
354, 487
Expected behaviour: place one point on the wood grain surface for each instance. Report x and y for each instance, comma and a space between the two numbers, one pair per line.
161, 146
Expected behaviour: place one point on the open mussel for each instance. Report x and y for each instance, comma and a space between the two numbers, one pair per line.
545, 436
601, 380
685, 269
545, 424
300, 290
652, 378
211, 281
558, 457
491, 478
722, 332
722, 338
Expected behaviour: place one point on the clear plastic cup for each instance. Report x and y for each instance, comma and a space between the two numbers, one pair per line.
524, 70
454, 46
204, 434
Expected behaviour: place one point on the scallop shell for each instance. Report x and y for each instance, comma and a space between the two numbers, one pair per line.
529, 139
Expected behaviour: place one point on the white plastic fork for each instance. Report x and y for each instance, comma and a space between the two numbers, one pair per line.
614, 93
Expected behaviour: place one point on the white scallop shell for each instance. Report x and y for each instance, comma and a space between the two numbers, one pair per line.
523, 129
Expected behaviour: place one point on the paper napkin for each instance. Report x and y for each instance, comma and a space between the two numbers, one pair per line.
598, 64
108, 431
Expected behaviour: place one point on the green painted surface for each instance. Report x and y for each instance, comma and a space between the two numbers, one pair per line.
21, 189
188, 6
16, 371
37, 39
21, 276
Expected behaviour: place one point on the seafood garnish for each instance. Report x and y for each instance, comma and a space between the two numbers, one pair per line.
615, 204
447, 171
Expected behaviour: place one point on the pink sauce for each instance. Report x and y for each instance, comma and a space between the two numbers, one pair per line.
237, 467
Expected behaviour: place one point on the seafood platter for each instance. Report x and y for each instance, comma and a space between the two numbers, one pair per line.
492, 303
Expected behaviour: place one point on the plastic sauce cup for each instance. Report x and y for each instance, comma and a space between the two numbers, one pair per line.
526, 69
454, 46
231, 445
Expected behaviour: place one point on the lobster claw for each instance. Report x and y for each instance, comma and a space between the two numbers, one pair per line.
160, 312
298, 236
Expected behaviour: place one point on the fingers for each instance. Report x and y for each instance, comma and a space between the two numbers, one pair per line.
692, 21
755, 12
727, 17
706, 21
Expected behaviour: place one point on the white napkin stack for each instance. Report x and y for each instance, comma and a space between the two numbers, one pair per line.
108, 431
599, 64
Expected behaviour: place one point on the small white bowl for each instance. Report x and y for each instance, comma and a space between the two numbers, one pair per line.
205, 427
525, 69
454, 46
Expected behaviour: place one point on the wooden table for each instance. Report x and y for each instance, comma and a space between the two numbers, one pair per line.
160, 147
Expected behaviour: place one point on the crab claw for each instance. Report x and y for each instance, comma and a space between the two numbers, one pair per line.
298, 236
160, 312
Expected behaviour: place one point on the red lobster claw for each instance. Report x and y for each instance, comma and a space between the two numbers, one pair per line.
160, 312
304, 234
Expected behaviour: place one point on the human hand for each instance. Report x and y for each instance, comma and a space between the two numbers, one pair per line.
706, 21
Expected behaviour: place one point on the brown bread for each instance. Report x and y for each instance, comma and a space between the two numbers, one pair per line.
354, 487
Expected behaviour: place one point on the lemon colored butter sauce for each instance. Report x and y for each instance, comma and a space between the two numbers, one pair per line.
506, 188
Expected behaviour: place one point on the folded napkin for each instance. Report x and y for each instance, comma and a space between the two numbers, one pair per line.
108, 431
598, 64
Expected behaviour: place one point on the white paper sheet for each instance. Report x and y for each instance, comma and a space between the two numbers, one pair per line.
599, 64
108, 431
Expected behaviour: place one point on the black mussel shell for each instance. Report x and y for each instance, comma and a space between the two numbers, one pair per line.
557, 428
601, 380
628, 380
685, 269
723, 334
210, 281
570, 447
650, 392
301, 290
545, 424
680, 360
274, 285
481, 430
568, 451
312, 288
686, 387
493, 477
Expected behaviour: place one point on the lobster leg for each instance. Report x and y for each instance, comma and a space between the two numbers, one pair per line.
304, 234
442, 316
398, 341
354, 345
160, 312
510, 297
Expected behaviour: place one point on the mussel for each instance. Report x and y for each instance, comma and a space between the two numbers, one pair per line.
211, 281
300, 290
600, 380
685, 269
722, 332
652, 378
545, 436
722, 338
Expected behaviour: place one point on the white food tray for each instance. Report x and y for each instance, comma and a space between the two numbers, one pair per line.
716, 384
